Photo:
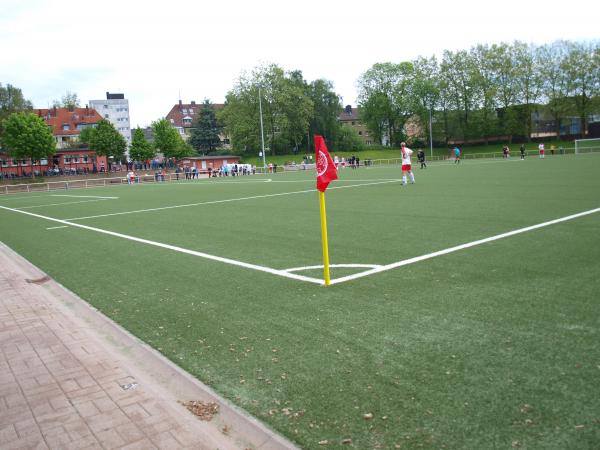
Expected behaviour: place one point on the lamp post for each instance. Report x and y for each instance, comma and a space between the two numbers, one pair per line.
430, 135
262, 133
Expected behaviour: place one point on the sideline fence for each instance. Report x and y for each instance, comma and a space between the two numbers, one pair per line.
173, 177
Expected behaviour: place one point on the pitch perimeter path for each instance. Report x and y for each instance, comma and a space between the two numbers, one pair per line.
72, 379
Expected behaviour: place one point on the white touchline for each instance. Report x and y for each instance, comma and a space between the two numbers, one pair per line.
213, 202
56, 228
83, 196
461, 247
233, 262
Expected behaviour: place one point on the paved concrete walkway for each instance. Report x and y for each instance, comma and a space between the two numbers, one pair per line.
72, 379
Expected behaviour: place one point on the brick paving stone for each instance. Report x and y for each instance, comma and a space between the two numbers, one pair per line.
63, 386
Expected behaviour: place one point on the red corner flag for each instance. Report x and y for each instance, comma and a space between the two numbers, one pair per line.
326, 170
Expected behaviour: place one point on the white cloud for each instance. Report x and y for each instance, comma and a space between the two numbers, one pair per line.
151, 51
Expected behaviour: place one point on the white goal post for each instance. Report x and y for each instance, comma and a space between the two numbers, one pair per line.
587, 145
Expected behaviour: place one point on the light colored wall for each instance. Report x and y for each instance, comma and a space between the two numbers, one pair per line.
117, 111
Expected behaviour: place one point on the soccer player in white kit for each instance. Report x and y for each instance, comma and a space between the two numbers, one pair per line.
406, 164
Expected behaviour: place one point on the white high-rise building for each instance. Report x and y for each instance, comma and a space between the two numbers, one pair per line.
115, 109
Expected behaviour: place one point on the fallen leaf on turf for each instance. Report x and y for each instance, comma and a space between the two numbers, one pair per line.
324, 442
579, 427
368, 416
347, 441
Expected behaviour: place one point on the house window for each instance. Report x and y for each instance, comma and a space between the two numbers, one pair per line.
4, 163
85, 158
106, 116
360, 133
65, 126
105, 106
353, 122
67, 159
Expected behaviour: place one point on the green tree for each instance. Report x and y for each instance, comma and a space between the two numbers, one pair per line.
26, 136
582, 78
555, 86
384, 99
69, 100
458, 70
105, 140
426, 91
140, 149
529, 76
484, 82
327, 106
205, 136
286, 110
11, 101
349, 140
167, 140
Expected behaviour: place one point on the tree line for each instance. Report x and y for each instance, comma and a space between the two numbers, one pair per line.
485, 93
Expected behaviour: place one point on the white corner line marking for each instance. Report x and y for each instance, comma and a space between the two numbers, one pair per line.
461, 247
174, 248
56, 228
351, 266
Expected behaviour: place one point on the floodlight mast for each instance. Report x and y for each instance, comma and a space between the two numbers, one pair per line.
430, 135
262, 133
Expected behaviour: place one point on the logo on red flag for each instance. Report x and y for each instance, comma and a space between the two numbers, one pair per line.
326, 170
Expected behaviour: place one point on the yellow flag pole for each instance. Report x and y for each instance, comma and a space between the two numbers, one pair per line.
324, 238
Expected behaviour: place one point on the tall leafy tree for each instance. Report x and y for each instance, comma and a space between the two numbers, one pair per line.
458, 70
286, 110
426, 91
206, 135
485, 83
555, 86
26, 136
167, 140
582, 78
69, 100
529, 81
383, 93
327, 106
105, 140
11, 101
140, 149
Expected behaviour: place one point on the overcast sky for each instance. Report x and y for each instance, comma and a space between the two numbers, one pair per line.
156, 52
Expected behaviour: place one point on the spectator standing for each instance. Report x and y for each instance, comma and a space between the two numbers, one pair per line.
541, 150
522, 150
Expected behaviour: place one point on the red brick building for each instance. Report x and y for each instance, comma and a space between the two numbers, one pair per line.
183, 118
71, 156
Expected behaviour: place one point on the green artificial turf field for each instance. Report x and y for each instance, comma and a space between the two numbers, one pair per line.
490, 346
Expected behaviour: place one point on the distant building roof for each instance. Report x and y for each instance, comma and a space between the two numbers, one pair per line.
110, 96
188, 111
65, 121
349, 113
